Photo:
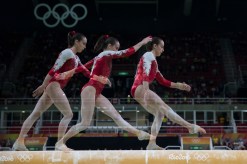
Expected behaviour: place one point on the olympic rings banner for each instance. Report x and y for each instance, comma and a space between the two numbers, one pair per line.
54, 13
190, 143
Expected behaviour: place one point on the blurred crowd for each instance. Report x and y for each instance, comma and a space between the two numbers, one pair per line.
194, 58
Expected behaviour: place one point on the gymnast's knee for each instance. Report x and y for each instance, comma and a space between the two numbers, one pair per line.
160, 114
165, 110
67, 117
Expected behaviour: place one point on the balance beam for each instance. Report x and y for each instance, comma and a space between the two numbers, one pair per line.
125, 157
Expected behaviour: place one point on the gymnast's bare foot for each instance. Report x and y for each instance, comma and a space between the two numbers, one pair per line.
18, 146
153, 146
143, 135
62, 147
196, 129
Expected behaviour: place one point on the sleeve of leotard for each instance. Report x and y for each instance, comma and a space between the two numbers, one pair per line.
159, 77
122, 53
62, 58
81, 68
89, 64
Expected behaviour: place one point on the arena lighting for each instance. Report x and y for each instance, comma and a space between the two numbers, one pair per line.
123, 73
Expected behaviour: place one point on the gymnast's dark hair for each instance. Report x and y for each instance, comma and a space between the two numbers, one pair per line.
155, 40
103, 42
73, 36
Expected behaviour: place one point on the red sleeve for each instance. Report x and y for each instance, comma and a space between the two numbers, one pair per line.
51, 72
123, 53
84, 70
89, 64
162, 80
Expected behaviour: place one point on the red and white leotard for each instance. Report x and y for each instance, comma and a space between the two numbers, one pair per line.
147, 70
66, 61
102, 65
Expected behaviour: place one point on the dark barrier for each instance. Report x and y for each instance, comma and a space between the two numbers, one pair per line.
113, 143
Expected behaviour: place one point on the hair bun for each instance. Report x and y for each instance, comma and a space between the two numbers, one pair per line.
72, 33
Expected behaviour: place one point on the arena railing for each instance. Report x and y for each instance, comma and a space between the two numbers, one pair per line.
5, 149
119, 101
171, 129
221, 148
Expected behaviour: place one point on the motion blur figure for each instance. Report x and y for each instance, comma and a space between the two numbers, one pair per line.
147, 71
91, 96
52, 88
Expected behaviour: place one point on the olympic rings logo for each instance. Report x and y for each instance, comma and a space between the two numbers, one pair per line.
60, 17
201, 157
195, 140
25, 157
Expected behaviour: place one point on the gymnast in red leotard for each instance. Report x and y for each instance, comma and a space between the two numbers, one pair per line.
147, 71
52, 88
91, 93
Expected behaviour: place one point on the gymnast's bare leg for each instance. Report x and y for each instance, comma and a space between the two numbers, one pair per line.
52, 94
154, 105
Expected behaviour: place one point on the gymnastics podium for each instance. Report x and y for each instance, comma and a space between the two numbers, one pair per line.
36, 143
196, 143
